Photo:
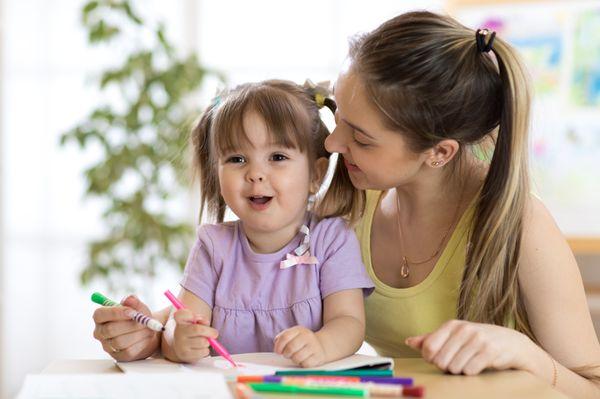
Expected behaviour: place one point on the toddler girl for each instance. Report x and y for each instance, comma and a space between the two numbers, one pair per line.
282, 278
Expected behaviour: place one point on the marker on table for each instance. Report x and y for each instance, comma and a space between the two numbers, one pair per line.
245, 392
362, 390
133, 314
293, 389
374, 389
346, 373
220, 349
406, 381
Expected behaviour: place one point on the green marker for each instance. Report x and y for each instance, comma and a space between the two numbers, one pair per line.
342, 373
102, 300
139, 317
308, 390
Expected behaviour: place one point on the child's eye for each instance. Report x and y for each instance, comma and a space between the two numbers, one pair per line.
278, 157
235, 159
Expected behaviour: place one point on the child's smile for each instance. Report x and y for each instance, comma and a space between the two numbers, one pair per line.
259, 202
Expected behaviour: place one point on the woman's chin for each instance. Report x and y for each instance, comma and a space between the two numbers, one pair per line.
358, 181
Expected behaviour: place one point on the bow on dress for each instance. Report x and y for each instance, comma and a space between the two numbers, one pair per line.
301, 255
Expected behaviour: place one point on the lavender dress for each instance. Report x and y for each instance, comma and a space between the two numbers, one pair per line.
252, 299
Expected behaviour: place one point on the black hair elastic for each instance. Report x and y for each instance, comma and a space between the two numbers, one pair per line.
480, 35
329, 103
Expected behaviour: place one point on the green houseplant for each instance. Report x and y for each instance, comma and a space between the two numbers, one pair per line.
142, 141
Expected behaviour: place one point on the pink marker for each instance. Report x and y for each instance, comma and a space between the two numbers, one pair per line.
220, 349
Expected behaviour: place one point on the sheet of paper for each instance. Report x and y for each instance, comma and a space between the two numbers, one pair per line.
249, 364
125, 386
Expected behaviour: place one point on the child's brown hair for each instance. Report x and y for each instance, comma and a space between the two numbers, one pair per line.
291, 115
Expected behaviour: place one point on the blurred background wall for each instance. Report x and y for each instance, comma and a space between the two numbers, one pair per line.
48, 84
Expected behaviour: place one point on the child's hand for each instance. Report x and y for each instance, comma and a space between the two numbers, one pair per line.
189, 340
301, 345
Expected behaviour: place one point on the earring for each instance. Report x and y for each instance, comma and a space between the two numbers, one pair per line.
437, 163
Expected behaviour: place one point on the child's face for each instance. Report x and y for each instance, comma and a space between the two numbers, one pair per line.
265, 185
376, 157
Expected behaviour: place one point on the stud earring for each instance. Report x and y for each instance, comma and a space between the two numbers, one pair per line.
437, 163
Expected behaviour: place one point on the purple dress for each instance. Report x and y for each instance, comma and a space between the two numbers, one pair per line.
252, 299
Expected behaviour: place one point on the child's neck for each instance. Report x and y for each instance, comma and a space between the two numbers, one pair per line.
267, 242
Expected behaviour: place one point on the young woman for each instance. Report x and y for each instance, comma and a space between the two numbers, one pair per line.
471, 272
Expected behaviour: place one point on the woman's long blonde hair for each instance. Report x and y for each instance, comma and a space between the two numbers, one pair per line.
432, 80
429, 79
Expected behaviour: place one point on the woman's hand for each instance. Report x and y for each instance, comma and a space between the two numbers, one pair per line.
189, 338
463, 347
121, 337
301, 345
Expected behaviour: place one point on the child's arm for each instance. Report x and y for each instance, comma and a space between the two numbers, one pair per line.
184, 339
342, 334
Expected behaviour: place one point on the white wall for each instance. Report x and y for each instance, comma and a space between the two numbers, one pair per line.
45, 89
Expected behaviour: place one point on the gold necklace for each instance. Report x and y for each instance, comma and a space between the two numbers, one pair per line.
404, 268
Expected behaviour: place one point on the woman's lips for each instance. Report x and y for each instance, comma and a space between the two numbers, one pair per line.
351, 167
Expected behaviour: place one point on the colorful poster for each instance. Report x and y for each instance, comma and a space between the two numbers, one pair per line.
586, 59
560, 46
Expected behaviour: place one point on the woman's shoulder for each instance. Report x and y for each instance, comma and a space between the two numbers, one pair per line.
537, 219
543, 246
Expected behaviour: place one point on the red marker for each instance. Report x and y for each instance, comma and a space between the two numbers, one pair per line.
220, 349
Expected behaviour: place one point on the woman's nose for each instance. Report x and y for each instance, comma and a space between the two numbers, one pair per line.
335, 141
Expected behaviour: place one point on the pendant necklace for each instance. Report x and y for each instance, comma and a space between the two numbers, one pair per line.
405, 266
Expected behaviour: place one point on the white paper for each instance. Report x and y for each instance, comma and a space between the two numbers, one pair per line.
125, 386
264, 363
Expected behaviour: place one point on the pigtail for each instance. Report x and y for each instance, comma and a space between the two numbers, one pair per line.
491, 272
340, 198
203, 166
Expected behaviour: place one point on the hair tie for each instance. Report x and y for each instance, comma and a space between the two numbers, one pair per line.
318, 92
320, 100
480, 36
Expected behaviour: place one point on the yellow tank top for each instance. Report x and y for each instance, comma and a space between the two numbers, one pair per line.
393, 314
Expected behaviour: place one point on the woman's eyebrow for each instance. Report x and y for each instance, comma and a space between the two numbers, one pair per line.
357, 128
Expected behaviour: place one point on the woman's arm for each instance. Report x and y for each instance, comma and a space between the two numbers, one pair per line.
556, 305
557, 309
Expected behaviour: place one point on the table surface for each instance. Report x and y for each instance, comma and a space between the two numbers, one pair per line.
489, 385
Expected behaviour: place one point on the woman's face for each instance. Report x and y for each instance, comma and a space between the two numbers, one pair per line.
376, 157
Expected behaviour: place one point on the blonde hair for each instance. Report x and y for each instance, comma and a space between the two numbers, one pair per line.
431, 81
292, 118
